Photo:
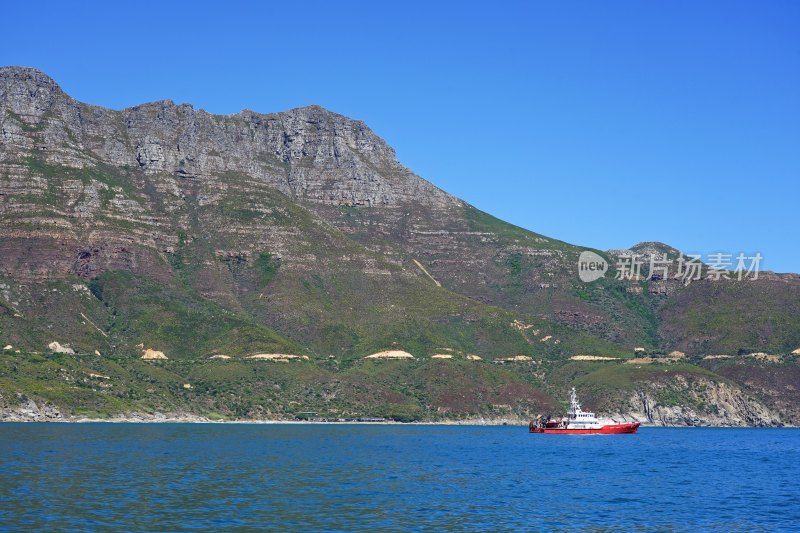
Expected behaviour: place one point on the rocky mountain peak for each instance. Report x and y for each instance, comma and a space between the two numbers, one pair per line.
26, 75
27, 91
655, 248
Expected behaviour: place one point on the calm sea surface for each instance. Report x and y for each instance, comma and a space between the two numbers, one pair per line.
186, 477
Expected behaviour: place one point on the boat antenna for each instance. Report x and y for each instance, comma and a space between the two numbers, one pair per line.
574, 406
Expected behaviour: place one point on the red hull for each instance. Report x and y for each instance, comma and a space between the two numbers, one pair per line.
612, 429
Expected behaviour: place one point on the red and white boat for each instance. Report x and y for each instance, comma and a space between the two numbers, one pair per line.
578, 422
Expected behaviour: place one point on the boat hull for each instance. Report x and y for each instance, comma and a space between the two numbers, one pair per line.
610, 429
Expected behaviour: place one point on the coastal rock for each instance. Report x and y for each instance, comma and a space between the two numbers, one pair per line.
709, 403
28, 410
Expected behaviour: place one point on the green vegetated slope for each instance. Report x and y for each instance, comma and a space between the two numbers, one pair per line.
100, 386
735, 317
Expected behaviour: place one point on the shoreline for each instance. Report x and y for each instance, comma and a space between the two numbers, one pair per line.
31, 412
202, 420
268, 422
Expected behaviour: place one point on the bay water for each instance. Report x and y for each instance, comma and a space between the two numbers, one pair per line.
345, 477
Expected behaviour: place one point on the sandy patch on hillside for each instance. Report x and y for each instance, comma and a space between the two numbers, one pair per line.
514, 358
153, 354
473, 357
522, 326
426, 272
592, 358
441, 356
59, 348
720, 356
390, 354
762, 356
278, 357
220, 356
640, 361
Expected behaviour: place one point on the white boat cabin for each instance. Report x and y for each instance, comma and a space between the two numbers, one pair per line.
577, 419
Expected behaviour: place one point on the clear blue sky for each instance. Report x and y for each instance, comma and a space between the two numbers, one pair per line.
599, 123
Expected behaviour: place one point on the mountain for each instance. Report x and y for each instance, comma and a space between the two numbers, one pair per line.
199, 237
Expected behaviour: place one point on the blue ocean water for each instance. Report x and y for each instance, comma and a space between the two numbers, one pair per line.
190, 477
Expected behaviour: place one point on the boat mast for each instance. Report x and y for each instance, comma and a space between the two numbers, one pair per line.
574, 406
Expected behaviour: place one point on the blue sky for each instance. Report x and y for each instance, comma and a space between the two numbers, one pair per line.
602, 124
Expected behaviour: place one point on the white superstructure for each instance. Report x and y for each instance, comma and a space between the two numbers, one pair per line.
577, 419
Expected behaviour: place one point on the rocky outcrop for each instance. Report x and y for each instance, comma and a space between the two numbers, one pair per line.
699, 402
25, 409
308, 153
